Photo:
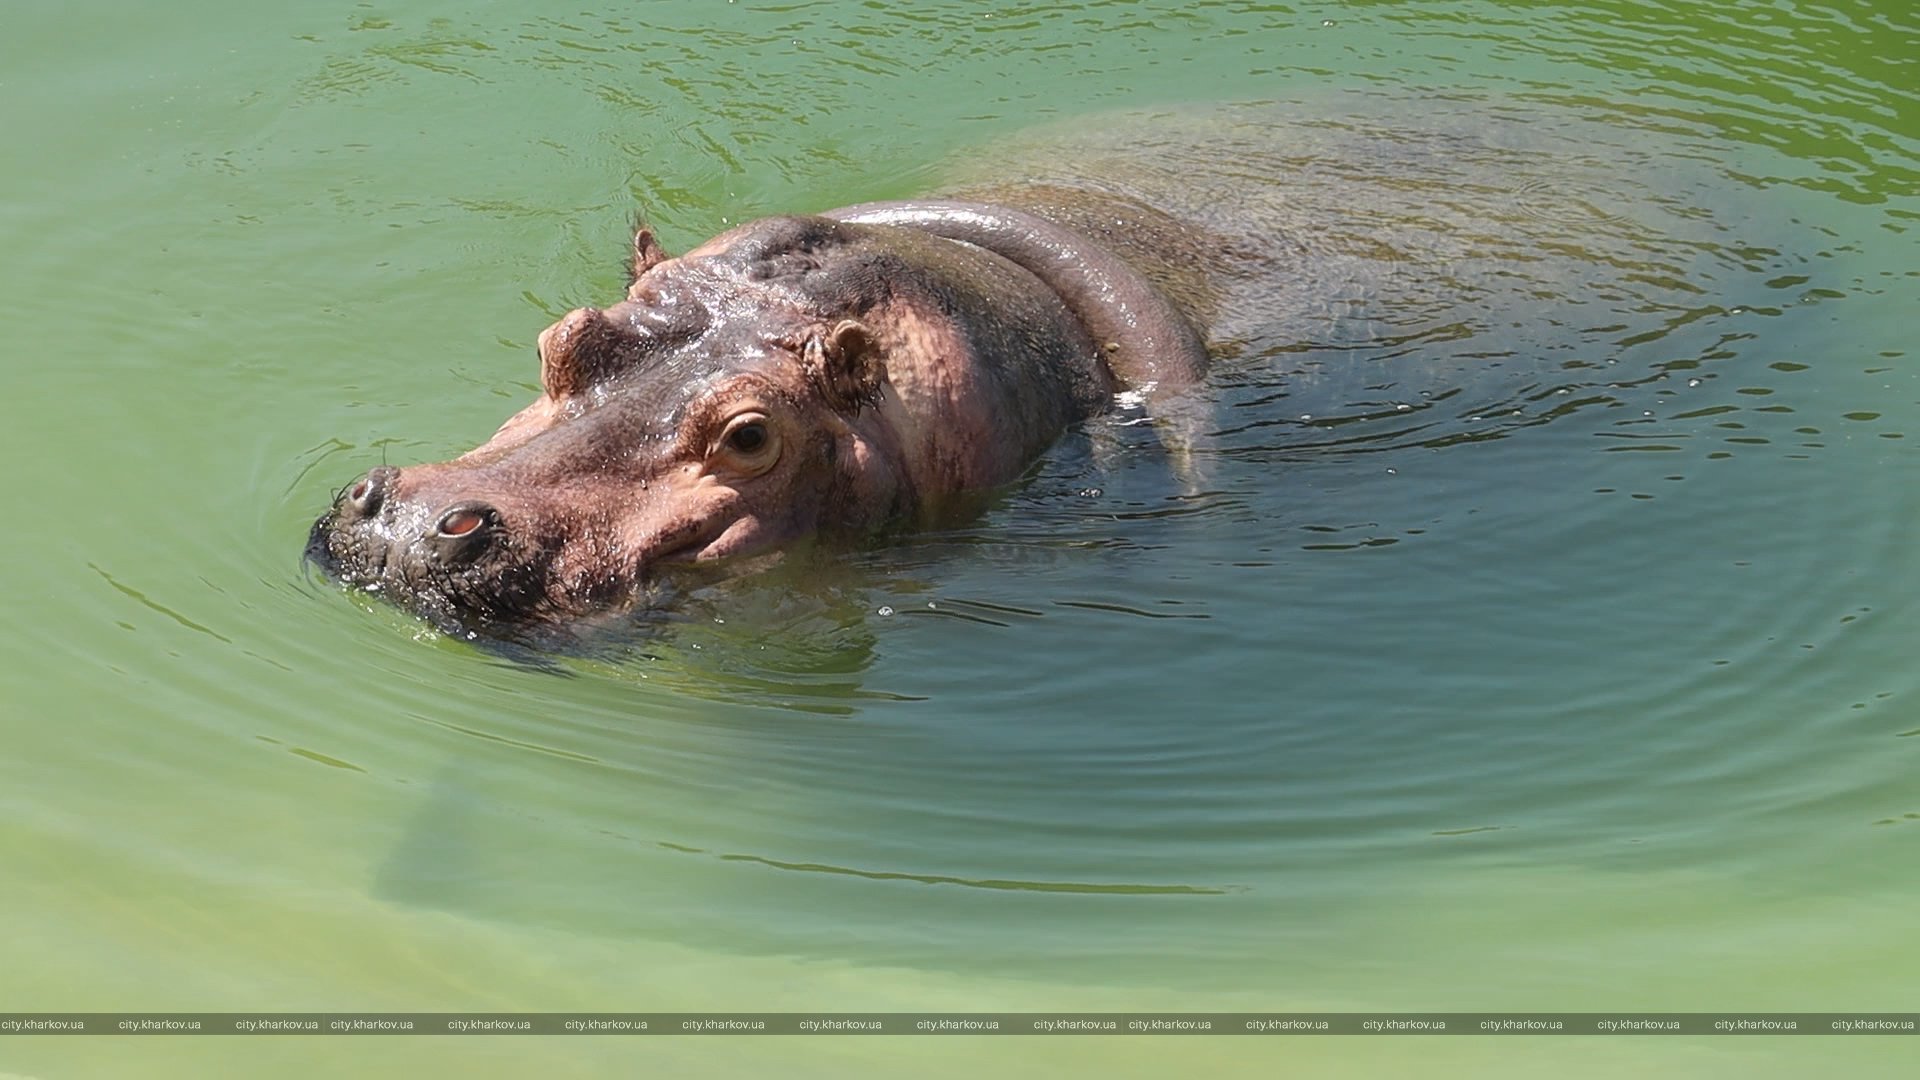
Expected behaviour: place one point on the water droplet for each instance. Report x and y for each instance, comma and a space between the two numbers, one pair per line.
1693, 382
883, 611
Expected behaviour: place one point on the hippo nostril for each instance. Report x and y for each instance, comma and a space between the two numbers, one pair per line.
367, 495
463, 531
461, 522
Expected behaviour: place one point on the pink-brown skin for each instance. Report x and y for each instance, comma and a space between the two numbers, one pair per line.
795, 377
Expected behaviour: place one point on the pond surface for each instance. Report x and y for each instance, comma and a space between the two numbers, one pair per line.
1538, 657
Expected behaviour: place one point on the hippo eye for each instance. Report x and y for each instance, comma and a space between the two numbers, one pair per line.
749, 444
748, 438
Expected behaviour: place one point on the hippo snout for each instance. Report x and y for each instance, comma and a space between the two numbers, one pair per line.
368, 494
384, 534
369, 515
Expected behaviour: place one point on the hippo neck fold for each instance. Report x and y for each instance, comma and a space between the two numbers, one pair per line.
1147, 341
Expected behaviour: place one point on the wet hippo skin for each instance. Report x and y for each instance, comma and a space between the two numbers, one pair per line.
797, 377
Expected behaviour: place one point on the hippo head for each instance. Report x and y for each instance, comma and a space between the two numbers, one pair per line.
736, 400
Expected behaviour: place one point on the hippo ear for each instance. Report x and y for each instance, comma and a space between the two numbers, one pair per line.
845, 364
580, 350
647, 253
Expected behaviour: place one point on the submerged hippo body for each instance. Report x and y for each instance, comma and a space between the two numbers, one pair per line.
796, 376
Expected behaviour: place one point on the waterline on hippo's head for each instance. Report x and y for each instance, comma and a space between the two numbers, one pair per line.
795, 378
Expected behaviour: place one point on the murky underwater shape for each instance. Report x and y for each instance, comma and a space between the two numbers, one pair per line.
1553, 655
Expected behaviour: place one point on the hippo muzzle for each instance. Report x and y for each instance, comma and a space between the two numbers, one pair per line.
461, 565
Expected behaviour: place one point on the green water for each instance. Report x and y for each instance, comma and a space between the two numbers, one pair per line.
1610, 707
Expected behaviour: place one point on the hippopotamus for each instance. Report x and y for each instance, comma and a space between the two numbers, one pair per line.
830, 377
822, 376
